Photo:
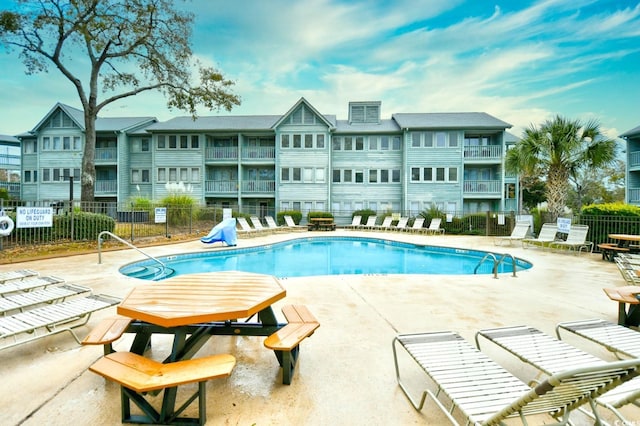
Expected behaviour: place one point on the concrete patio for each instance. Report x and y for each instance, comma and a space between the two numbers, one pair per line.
345, 375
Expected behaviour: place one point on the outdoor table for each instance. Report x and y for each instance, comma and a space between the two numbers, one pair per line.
626, 240
201, 305
626, 295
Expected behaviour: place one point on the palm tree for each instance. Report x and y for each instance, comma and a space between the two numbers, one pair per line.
557, 151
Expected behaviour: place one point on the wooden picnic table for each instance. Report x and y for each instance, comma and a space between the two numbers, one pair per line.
321, 223
627, 243
626, 295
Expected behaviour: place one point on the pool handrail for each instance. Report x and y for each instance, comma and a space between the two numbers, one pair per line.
164, 267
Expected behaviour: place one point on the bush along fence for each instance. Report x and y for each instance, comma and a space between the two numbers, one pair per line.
62, 223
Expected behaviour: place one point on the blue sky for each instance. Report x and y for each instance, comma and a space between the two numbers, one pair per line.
521, 61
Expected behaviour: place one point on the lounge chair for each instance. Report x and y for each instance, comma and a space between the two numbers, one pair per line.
434, 226
244, 225
291, 223
401, 225
547, 235
576, 240
28, 284
386, 223
17, 274
271, 224
486, 394
28, 299
551, 356
257, 225
51, 319
519, 233
621, 340
371, 223
417, 226
356, 221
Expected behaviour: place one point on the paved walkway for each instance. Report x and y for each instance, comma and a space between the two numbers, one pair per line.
345, 375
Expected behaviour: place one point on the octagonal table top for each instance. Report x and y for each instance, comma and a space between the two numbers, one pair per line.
198, 298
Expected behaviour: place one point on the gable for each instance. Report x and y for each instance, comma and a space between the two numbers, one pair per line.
59, 120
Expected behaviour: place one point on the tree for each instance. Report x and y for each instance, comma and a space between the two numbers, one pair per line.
131, 46
598, 185
557, 150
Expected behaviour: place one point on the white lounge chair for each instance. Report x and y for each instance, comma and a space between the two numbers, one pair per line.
401, 225
385, 225
51, 319
576, 240
622, 341
271, 224
292, 224
434, 226
17, 274
244, 225
485, 393
519, 233
551, 356
257, 225
28, 299
547, 235
28, 284
417, 226
371, 223
356, 221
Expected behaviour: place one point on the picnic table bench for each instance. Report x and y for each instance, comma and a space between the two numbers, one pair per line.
610, 250
286, 341
321, 224
138, 375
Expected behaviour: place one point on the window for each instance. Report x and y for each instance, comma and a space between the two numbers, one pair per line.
161, 142
162, 175
308, 141
347, 176
348, 145
395, 175
284, 174
173, 142
296, 174
373, 143
335, 143
184, 142
395, 143
415, 174
439, 174
46, 143
284, 141
77, 145
66, 143
297, 141
336, 176
359, 143
140, 176
320, 175
46, 175
307, 174
173, 174
30, 147
373, 176
57, 145
441, 139
184, 175
320, 141
384, 176
428, 139
27, 175
384, 143
453, 174
195, 174
56, 175
195, 142
415, 139
359, 177
140, 145
427, 174
453, 139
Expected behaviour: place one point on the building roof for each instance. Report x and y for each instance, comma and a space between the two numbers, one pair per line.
633, 132
103, 124
385, 126
217, 123
9, 140
330, 121
449, 120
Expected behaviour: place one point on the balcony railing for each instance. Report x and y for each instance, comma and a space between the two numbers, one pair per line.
486, 152
634, 195
221, 153
106, 155
106, 187
13, 188
482, 186
634, 159
8, 160
259, 153
218, 186
259, 186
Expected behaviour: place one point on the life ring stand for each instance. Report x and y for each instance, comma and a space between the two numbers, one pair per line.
6, 226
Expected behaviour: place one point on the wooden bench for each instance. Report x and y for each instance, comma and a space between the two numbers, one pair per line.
321, 224
286, 341
138, 375
609, 250
108, 331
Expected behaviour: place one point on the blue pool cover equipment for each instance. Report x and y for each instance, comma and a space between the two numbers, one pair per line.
225, 231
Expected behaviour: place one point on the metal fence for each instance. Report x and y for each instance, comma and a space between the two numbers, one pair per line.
82, 222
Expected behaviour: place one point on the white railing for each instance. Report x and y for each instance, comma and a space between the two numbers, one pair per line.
258, 153
483, 152
634, 159
634, 195
106, 187
259, 186
106, 155
482, 186
221, 153
228, 186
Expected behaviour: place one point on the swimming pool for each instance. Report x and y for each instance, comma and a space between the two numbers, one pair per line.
312, 256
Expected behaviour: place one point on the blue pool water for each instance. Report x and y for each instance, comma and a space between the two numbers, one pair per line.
329, 256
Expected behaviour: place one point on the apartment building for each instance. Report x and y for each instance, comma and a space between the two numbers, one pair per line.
301, 160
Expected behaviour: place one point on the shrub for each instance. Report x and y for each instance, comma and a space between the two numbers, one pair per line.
319, 214
180, 208
365, 213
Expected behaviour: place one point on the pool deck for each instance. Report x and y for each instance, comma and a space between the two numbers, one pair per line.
345, 375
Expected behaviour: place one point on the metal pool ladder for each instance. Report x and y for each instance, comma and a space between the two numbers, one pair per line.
163, 267
497, 262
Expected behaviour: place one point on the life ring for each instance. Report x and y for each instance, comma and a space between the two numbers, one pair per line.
6, 225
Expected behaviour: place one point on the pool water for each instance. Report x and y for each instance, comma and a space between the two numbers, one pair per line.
329, 256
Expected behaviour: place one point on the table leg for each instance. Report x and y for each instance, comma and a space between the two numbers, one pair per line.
622, 313
267, 316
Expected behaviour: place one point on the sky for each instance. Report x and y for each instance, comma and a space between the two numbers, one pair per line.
523, 62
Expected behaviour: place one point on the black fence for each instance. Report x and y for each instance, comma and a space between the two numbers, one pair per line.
65, 222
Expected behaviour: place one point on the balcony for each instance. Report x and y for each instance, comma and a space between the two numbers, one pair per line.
9, 161
106, 155
483, 153
259, 186
634, 195
221, 186
224, 153
634, 159
106, 187
258, 153
482, 188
